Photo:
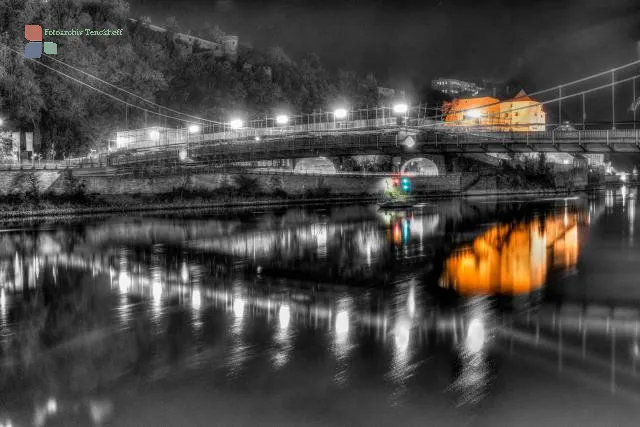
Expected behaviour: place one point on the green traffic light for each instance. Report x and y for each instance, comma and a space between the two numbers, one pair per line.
405, 184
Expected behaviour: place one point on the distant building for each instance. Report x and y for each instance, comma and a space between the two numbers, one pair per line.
227, 46
455, 87
522, 113
474, 87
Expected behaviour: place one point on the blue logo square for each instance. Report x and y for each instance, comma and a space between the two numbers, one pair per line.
33, 50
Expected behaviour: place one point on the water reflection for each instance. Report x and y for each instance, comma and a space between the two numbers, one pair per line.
283, 337
194, 282
514, 258
473, 373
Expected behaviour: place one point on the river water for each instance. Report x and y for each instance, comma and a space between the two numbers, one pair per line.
476, 312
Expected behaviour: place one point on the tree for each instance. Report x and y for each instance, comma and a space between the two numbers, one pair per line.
542, 164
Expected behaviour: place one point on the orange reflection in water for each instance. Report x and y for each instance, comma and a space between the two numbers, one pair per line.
513, 258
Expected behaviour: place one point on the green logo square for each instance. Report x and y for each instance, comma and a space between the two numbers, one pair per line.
50, 48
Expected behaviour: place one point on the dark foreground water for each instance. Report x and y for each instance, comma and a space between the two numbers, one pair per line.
476, 312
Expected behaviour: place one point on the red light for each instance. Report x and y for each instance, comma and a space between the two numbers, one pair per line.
397, 233
396, 181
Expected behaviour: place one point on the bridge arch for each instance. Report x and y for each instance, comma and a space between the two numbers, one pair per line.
315, 165
420, 166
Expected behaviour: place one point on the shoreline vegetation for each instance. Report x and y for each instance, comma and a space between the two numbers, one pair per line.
51, 207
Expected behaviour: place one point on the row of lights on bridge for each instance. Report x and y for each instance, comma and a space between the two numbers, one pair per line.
283, 119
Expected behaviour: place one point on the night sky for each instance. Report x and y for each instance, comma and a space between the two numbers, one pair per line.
408, 42
539, 44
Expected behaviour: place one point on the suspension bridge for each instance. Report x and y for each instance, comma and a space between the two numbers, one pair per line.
402, 130
397, 130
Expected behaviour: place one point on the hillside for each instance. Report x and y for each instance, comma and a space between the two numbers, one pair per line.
152, 65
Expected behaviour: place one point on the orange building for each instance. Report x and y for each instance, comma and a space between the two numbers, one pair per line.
520, 114
468, 112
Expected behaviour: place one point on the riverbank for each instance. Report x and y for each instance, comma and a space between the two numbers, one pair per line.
51, 208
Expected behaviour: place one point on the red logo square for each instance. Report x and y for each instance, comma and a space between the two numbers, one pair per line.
33, 33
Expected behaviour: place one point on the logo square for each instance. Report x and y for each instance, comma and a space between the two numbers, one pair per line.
50, 48
33, 50
33, 33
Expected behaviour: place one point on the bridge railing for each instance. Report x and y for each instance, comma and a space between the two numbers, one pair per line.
37, 164
549, 136
168, 137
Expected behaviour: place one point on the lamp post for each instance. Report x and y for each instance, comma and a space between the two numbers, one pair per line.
400, 110
339, 114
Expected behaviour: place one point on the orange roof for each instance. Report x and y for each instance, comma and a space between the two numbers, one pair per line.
485, 100
522, 96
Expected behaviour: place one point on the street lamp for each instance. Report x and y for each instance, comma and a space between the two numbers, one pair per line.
235, 124
400, 108
282, 119
194, 129
340, 113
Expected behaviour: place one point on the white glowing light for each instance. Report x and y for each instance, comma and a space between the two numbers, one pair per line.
400, 108
182, 154
194, 129
342, 323
402, 334
154, 134
411, 301
409, 142
340, 113
285, 316
475, 336
474, 114
156, 289
52, 406
623, 177
196, 299
121, 140
238, 307
124, 281
257, 138
236, 124
282, 119
184, 273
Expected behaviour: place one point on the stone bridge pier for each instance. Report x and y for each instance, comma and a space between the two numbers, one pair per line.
425, 164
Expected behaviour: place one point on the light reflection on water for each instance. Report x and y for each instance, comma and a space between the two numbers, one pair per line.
160, 268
